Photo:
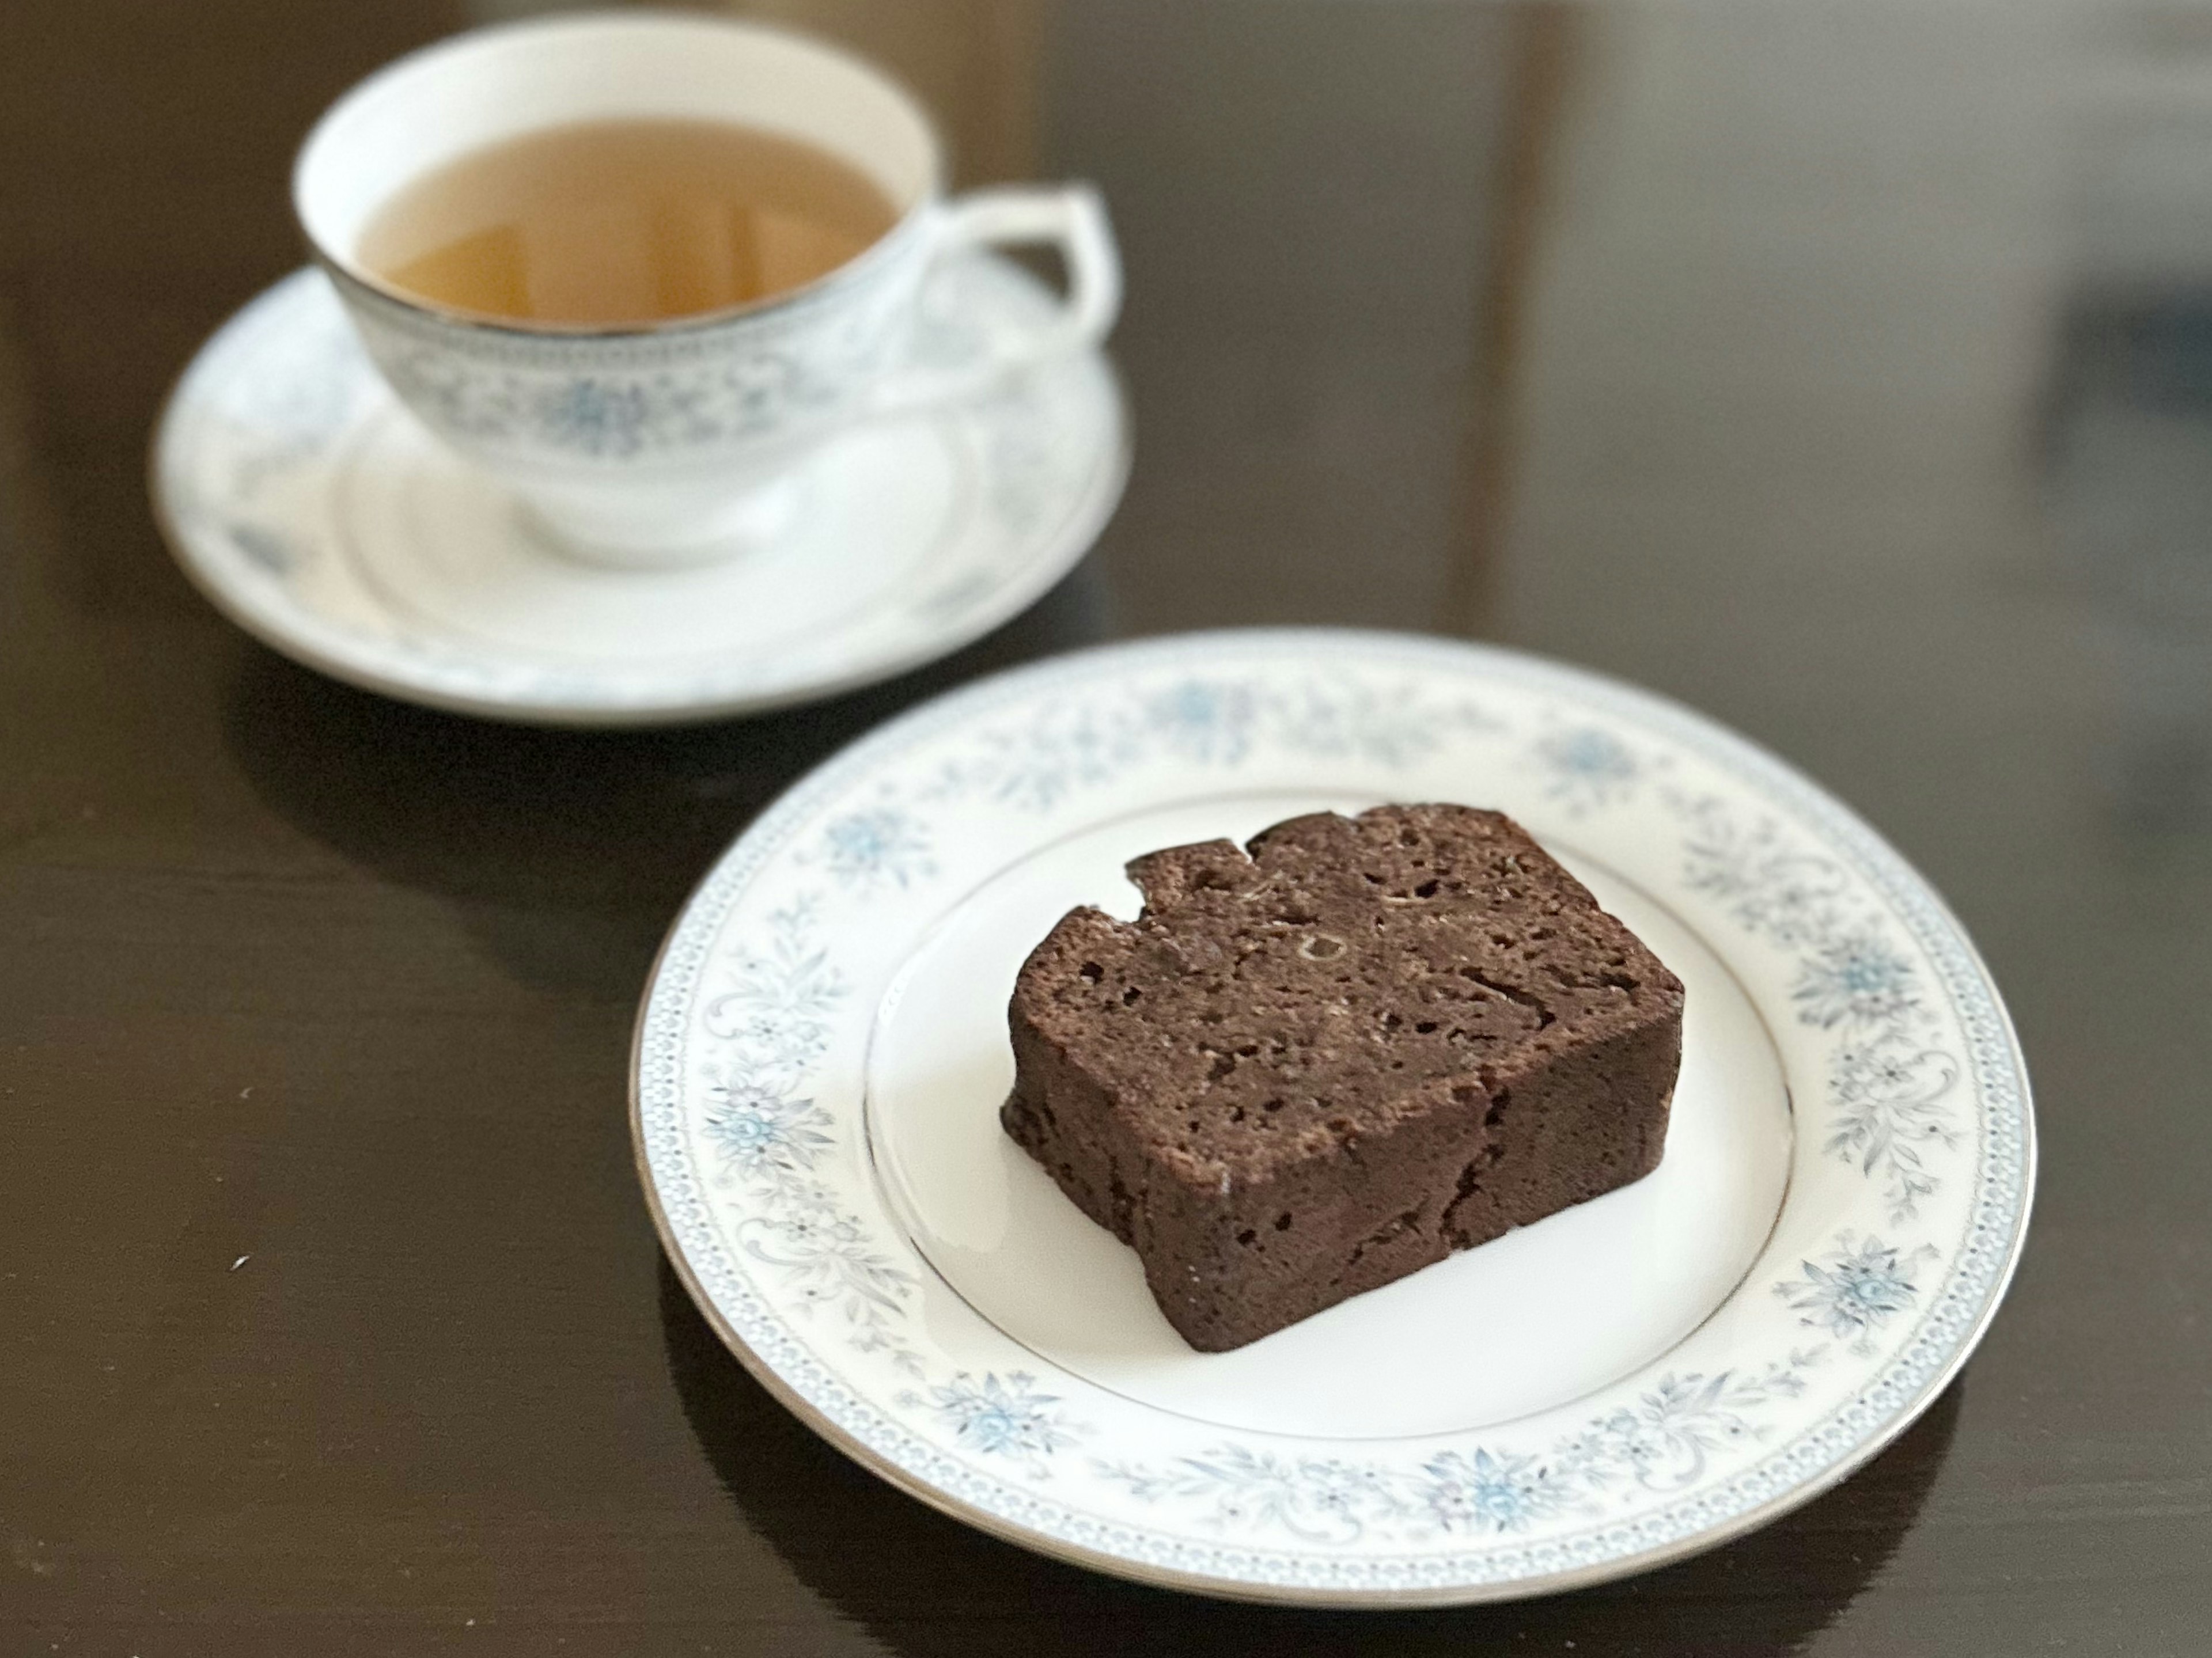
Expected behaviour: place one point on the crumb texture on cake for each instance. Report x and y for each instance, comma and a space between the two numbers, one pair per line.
1316, 1065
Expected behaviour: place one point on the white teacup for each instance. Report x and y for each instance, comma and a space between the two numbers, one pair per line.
674, 442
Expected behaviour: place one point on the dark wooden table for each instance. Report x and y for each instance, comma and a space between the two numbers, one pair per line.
1844, 370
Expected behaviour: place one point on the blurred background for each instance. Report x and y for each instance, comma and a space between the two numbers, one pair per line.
1843, 367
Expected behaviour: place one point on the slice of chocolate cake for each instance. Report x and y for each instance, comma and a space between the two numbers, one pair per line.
1306, 1072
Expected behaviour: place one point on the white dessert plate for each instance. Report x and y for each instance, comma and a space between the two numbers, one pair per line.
319, 514
822, 1050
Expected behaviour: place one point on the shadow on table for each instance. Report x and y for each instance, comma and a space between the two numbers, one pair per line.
569, 852
929, 1586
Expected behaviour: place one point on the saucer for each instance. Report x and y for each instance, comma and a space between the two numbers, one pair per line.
313, 510
822, 1053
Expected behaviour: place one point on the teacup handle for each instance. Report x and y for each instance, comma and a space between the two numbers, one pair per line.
1070, 217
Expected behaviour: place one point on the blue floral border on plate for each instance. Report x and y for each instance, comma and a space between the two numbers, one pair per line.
1862, 1284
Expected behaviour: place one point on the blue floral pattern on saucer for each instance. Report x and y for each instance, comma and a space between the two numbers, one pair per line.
321, 516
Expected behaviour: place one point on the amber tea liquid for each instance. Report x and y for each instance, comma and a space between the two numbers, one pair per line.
623, 222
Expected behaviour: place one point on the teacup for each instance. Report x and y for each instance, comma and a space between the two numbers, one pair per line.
675, 442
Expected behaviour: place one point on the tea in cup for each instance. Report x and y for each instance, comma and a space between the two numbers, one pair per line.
637, 265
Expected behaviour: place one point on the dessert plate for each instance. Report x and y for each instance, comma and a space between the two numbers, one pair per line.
321, 517
822, 1053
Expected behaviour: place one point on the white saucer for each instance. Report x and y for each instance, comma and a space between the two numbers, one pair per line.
822, 1051
314, 511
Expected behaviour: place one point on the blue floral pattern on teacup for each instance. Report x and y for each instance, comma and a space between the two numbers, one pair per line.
669, 394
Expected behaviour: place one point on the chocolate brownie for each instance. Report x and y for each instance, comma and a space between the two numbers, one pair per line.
1312, 1067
